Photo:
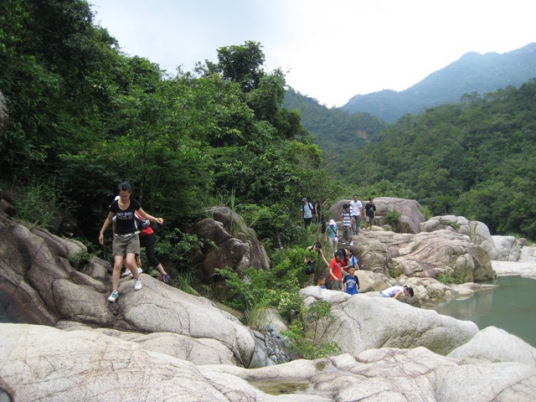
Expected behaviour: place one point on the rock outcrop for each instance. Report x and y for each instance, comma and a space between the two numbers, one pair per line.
163, 344
363, 322
39, 362
39, 285
237, 245
410, 211
425, 254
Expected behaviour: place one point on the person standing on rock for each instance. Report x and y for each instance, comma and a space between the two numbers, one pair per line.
346, 218
355, 208
311, 264
370, 212
350, 282
335, 271
147, 240
126, 241
331, 234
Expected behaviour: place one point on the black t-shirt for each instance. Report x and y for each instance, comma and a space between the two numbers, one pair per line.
370, 209
125, 220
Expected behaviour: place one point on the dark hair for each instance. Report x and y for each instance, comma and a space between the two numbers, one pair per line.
125, 186
410, 290
318, 245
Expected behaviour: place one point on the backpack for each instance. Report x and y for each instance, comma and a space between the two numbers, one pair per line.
310, 206
310, 267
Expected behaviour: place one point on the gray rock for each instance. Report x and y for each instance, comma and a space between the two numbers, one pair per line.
362, 323
496, 345
236, 244
507, 248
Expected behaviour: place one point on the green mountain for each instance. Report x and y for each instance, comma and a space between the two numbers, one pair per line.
475, 158
338, 133
473, 72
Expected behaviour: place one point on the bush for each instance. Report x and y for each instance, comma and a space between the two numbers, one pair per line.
393, 218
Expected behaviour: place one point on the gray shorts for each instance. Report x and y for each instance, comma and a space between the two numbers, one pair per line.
126, 244
334, 285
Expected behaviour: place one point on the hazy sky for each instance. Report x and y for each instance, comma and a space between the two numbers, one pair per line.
330, 50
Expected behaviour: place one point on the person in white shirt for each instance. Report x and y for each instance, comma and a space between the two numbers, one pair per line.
395, 291
356, 209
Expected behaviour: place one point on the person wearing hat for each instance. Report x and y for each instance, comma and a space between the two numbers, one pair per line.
307, 212
331, 234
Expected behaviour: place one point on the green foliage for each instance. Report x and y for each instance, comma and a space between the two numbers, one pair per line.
278, 287
307, 335
395, 272
80, 259
37, 205
393, 217
339, 134
448, 279
475, 158
177, 248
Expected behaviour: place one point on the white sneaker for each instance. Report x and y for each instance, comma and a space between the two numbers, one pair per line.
137, 284
113, 297
128, 273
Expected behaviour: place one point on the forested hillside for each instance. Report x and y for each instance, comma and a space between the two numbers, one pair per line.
472, 73
84, 117
476, 158
338, 133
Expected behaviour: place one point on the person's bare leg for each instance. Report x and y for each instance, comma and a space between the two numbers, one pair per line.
118, 264
131, 264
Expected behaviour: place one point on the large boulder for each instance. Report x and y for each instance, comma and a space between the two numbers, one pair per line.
230, 243
411, 215
425, 254
496, 345
477, 231
39, 285
364, 322
44, 363
507, 248
410, 211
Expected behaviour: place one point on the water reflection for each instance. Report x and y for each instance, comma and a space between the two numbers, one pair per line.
511, 306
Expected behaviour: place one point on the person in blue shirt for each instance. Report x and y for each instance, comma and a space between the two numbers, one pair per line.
350, 282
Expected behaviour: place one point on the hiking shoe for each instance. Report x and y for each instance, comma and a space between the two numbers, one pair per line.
128, 273
113, 297
164, 278
137, 285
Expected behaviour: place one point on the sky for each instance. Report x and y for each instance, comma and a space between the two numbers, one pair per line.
330, 50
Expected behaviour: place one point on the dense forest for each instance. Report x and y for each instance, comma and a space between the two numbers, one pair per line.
338, 133
476, 158
84, 116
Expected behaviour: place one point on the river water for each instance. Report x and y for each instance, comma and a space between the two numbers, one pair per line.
510, 306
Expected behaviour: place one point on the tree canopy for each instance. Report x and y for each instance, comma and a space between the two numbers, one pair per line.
84, 117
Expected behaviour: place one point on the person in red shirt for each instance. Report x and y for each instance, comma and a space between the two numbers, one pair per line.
335, 271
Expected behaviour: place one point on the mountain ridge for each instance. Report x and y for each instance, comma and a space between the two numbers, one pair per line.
472, 72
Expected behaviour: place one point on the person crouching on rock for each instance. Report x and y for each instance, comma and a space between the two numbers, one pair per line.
395, 291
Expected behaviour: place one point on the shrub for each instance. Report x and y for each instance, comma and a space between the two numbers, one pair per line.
393, 218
